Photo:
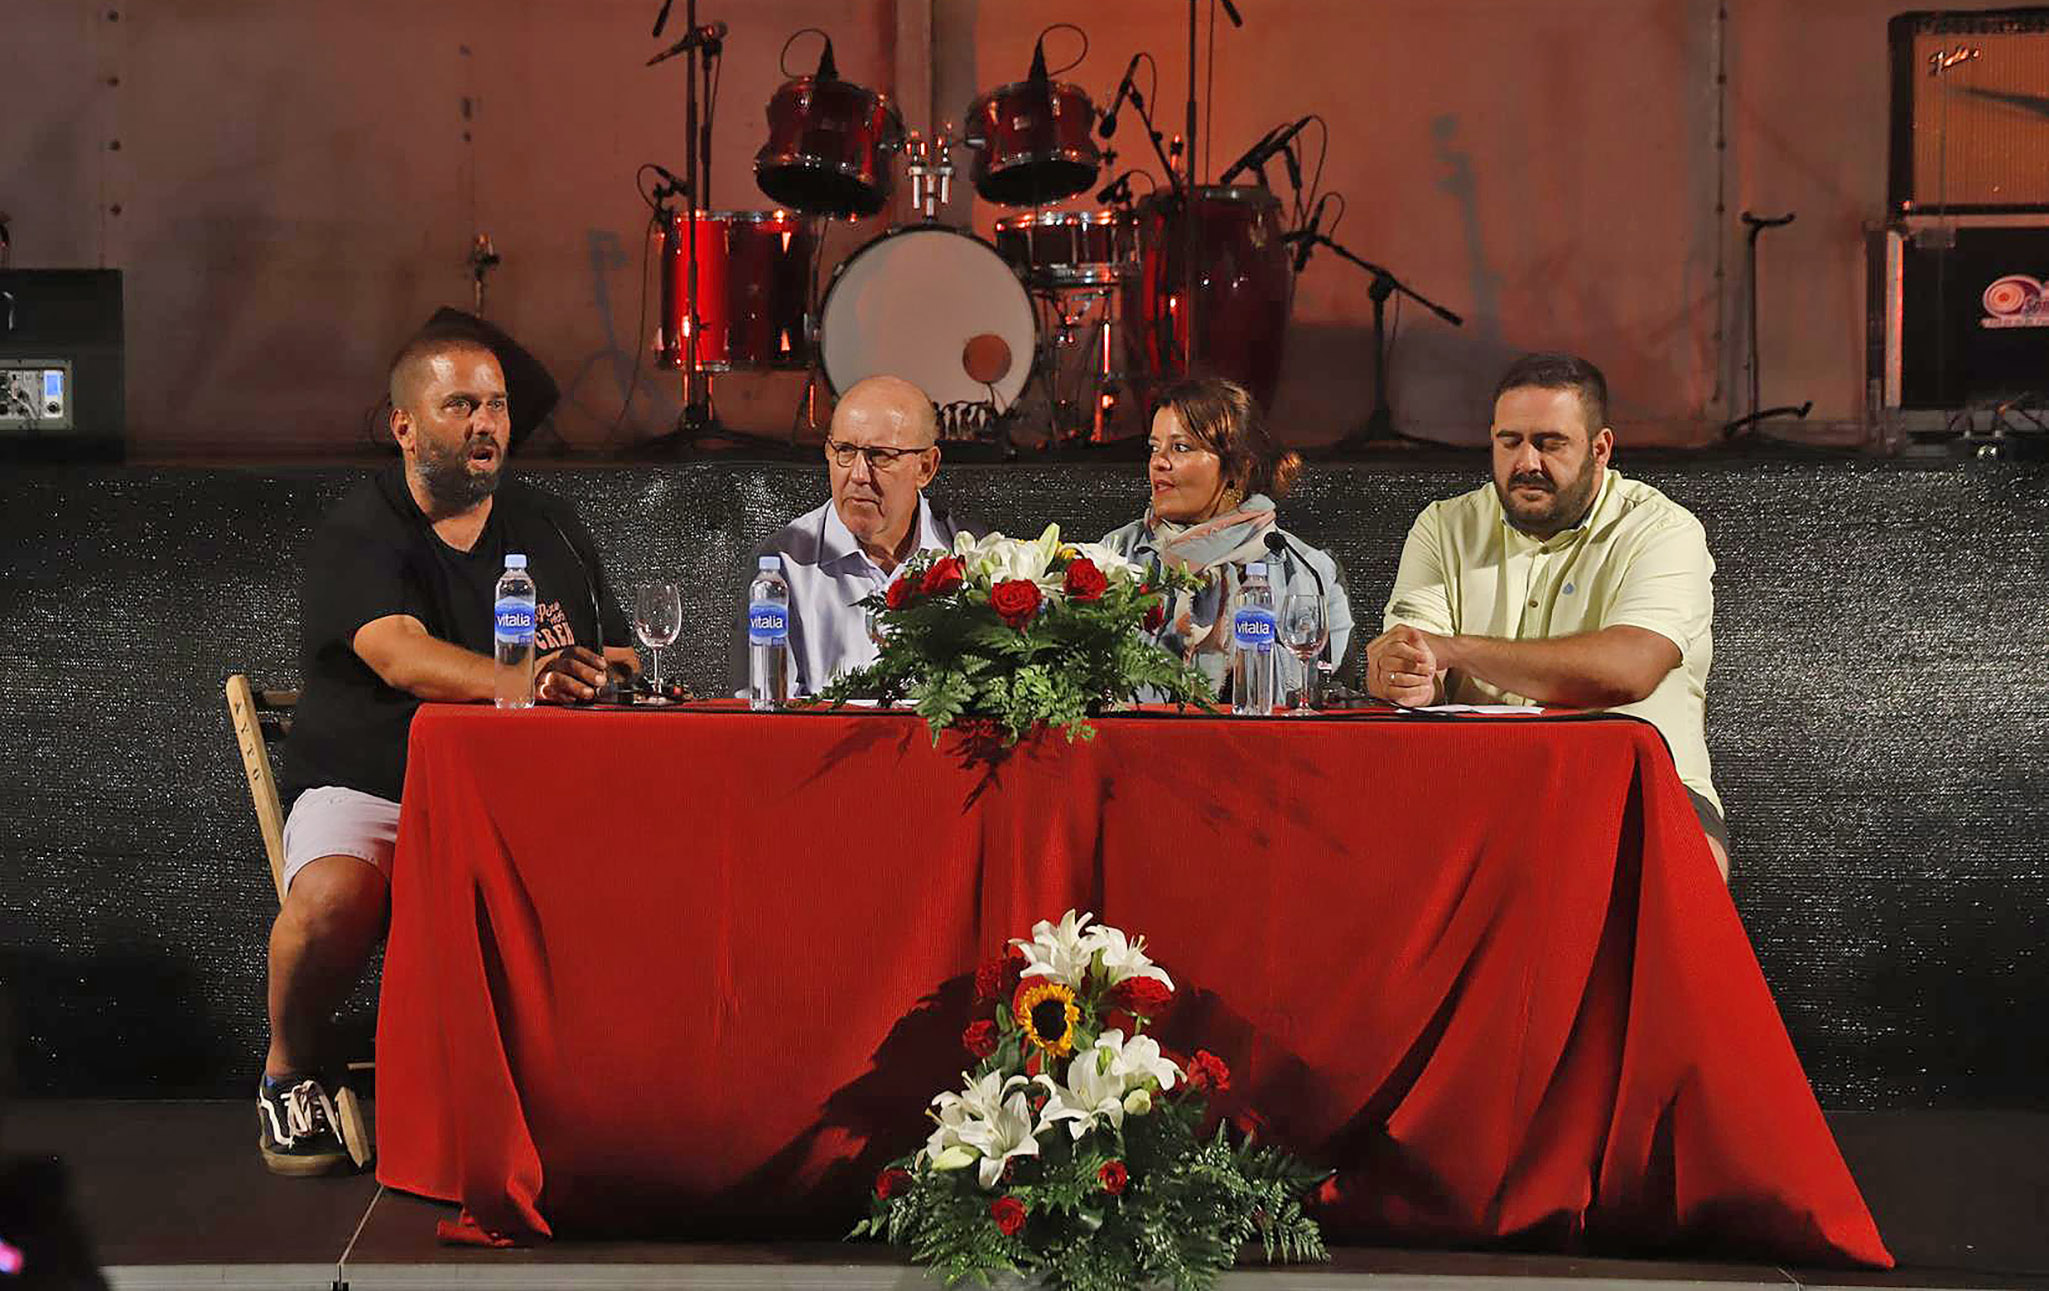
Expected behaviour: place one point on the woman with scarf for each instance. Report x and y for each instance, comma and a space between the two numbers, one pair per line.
1214, 473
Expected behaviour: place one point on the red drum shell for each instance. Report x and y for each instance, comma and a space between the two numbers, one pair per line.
829, 149
753, 288
1033, 143
1244, 292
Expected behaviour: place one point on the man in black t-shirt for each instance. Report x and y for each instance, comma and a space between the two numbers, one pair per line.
396, 610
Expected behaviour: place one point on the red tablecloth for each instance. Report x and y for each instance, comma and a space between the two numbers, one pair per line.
692, 973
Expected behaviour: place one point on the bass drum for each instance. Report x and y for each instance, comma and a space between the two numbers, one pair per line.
935, 306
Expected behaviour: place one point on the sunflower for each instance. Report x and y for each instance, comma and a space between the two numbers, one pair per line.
1047, 1012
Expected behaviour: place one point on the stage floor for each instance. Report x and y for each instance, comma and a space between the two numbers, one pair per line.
173, 1195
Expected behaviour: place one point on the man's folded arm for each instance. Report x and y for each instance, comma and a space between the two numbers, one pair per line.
407, 657
1606, 668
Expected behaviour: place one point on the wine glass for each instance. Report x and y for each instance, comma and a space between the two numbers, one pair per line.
657, 618
1304, 631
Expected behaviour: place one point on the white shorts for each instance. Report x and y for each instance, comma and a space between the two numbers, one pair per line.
331, 821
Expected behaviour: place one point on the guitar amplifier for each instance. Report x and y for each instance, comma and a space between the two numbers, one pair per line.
1959, 311
61, 364
1970, 111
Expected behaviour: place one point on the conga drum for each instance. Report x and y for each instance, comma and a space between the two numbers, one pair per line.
1244, 290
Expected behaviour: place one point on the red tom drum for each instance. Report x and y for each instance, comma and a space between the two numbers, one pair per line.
753, 289
830, 147
1033, 142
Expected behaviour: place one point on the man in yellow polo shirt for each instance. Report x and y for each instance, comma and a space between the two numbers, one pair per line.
1560, 583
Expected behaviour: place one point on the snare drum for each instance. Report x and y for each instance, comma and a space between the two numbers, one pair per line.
1033, 143
753, 289
830, 146
928, 303
1070, 248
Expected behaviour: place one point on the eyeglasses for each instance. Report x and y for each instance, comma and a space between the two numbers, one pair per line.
879, 459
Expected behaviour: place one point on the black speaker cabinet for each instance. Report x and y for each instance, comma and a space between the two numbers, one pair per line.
1970, 111
1960, 310
62, 388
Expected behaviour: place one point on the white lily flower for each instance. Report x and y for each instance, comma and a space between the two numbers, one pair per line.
1094, 1091
994, 558
1059, 951
979, 1101
1140, 1061
1007, 1134
1139, 1102
1121, 957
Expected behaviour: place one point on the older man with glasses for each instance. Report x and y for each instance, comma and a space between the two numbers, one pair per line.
880, 451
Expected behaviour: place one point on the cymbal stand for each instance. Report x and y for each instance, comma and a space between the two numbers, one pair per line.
1379, 427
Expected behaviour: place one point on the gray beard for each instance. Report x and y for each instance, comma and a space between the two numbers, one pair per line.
450, 482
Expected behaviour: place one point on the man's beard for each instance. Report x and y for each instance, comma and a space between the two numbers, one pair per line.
1567, 505
448, 479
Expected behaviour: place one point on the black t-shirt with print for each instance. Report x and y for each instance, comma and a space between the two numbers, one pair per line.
376, 555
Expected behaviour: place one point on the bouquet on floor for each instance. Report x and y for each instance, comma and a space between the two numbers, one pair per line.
1076, 1154
1022, 633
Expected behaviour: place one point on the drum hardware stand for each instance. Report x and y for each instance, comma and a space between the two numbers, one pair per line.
483, 259
931, 182
1757, 224
702, 47
1379, 427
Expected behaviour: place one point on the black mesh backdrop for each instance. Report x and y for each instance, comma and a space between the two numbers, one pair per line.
1878, 717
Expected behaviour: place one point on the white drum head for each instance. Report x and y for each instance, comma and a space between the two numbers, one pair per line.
927, 304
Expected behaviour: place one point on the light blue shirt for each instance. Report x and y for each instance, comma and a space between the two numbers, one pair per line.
829, 575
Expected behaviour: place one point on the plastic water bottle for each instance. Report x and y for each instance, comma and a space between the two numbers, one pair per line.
1255, 631
512, 635
768, 637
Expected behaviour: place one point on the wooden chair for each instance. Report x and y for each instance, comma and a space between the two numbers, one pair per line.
250, 710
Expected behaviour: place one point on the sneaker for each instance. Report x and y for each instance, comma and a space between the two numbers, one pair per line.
303, 1131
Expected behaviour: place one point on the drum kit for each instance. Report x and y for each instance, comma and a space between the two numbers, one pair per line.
1087, 304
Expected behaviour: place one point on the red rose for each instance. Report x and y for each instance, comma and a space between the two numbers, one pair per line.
1016, 599
1207, 1071
1113, 1176
1085, 582
980, 1038
1144, 996
893, 1182
899, 594
1009, 1214
945, 575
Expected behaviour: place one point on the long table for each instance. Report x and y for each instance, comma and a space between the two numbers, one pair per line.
696, 973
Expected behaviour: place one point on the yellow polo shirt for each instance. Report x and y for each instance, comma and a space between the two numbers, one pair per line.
1639, 559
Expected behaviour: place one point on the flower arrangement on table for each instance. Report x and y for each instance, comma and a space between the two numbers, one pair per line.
1076, 1152
1023, 633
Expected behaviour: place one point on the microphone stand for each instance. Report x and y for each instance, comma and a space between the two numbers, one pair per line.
1379, 427
698, 419
1757, 224
1190, 275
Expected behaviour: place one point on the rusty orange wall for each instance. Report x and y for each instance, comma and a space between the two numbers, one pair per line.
294, 191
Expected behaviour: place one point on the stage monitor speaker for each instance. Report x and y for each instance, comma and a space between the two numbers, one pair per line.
62, 386
1960, 311
1970, 111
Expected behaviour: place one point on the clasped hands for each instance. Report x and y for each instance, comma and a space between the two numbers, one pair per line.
1403, 664
572, 675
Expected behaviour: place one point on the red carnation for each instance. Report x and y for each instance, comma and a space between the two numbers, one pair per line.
1009, 1214
980, 1038
1016, 599
996, 978
1085, 582
945, 575
1207, 1071
893, 1182
1145, 996
1114, 1176
899, 594
1157, 615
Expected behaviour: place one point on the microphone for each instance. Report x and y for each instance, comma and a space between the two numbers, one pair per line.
828, 70
1117, 190
1263, 151
710, 33
661, 19
1294, 167
1038, 74
1109, 125
676, 184
1305, 239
